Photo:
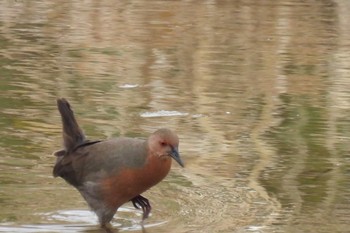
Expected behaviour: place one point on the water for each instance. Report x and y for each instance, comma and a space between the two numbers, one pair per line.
258, 91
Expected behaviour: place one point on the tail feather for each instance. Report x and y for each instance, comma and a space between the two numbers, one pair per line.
72, 133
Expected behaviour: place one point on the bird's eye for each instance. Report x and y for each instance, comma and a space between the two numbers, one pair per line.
162, 143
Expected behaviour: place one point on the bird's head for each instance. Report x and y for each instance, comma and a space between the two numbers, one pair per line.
164, 142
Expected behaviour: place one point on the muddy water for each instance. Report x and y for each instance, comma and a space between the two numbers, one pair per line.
259, 92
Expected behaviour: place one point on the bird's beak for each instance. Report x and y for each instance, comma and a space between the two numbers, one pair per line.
176, 156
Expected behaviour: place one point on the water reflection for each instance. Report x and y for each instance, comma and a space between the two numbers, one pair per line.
257, 90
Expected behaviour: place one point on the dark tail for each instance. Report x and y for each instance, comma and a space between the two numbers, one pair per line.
72, 134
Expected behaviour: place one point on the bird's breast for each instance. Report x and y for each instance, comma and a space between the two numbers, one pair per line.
130, 182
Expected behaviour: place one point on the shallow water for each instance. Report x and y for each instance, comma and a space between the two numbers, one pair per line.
258, 91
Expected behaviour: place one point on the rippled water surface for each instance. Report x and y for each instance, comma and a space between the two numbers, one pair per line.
258, 91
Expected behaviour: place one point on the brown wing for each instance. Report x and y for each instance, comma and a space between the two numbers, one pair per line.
93, 161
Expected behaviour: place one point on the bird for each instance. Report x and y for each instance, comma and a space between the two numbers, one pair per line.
109, 173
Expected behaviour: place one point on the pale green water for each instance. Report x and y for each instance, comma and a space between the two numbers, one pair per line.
258, 91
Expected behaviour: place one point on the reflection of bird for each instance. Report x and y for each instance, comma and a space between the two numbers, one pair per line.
112, 172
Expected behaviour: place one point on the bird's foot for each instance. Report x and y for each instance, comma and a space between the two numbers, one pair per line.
142, 202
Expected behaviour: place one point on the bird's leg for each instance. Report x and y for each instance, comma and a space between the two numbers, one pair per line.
142, 202
107, 228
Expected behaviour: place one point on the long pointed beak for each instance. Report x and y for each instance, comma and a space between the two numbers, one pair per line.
176, 156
